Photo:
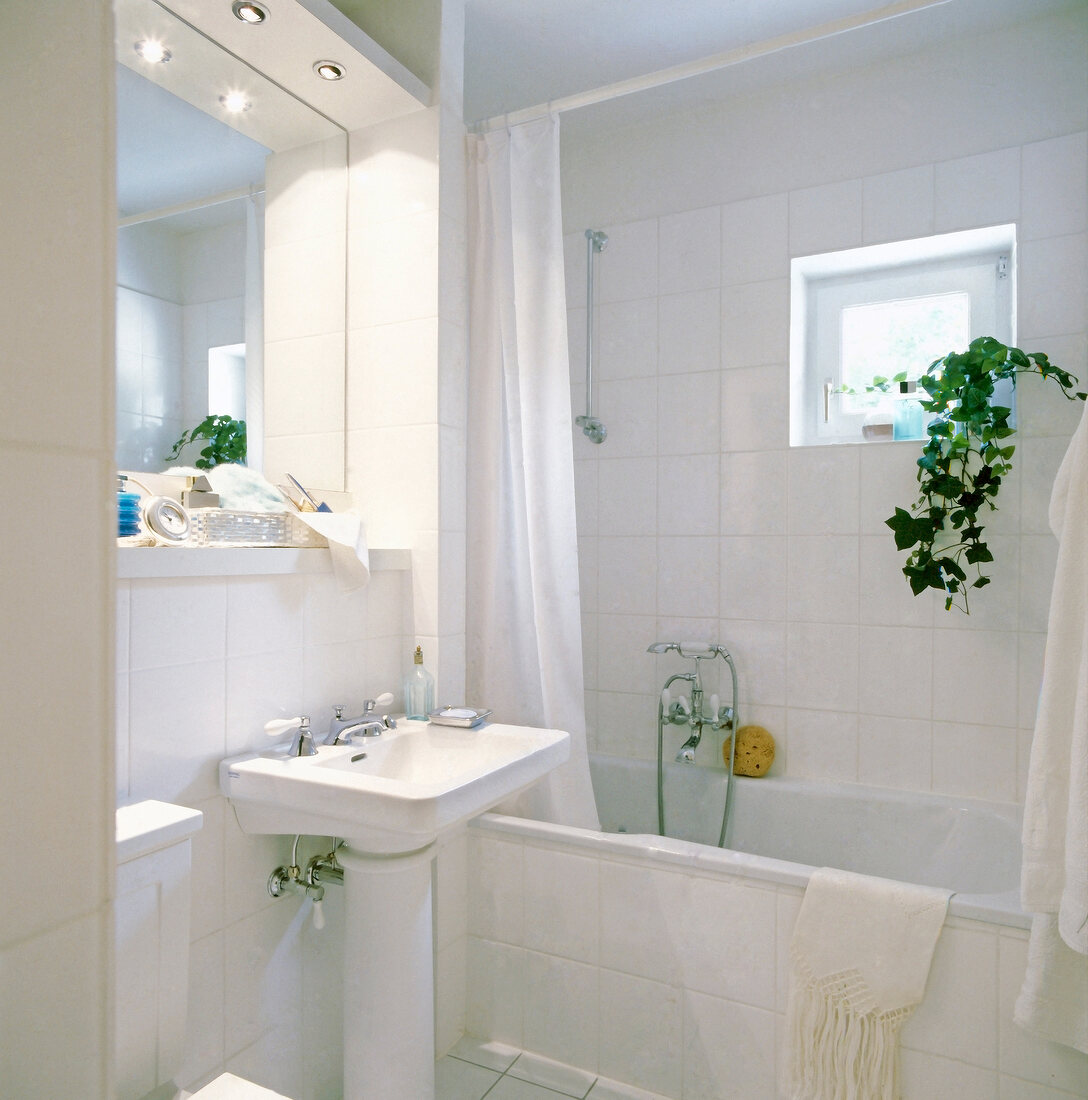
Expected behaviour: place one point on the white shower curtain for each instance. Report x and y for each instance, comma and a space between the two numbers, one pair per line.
523, 625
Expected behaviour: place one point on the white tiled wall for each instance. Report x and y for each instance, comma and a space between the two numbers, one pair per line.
56, 590
676, 982
178, 294
202, 664
695, 517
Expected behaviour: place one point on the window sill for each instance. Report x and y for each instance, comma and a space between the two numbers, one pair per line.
145, 563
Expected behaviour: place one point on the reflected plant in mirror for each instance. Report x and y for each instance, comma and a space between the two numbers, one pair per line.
226, 442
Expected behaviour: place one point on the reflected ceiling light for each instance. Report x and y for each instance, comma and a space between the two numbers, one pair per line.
153, 51
249, 11
329, 70
235, 102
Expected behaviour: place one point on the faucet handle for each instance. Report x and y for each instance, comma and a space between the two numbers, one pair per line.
282, 725
383, 700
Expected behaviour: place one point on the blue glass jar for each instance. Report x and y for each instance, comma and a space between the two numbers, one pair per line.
128, 513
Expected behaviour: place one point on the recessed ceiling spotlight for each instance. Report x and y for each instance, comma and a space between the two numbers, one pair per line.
249, 11
235, 102
153, 51
329, 70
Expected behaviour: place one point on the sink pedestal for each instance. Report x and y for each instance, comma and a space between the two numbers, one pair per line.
388, 975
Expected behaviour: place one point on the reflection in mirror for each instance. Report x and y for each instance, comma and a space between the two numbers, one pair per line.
190, 259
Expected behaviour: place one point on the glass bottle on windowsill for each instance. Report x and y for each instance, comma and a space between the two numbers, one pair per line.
907, 418
418, 689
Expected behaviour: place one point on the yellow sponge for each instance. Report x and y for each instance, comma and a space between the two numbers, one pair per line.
755, 751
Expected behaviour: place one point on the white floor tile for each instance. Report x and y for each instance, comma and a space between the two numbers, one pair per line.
613, 1090
485, 1052
510, 1088
457, 1080
552, 1075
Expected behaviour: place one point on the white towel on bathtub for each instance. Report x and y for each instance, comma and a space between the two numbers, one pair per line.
860, 957
1054, 876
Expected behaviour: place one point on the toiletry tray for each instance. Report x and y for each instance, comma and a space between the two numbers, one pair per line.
464, 717
225, 527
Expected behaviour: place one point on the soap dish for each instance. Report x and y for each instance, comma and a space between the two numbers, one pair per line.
465, 717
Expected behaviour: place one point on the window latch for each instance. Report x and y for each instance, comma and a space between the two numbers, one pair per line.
827, 399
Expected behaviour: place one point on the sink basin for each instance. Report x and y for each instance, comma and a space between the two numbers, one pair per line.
394, 793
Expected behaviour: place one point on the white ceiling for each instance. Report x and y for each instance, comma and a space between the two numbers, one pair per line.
520, 53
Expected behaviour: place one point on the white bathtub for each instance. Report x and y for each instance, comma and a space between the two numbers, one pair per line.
663, 962
782, 829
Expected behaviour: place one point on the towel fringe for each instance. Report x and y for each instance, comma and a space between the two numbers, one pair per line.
841, 1048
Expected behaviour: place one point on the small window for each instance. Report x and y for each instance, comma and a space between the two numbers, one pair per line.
884, 311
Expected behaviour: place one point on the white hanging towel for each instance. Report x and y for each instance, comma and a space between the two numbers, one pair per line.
860, 957
1054, 878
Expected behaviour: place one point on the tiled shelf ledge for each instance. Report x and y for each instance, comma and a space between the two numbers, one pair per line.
142, 562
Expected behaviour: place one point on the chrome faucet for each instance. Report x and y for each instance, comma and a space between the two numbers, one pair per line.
342, 730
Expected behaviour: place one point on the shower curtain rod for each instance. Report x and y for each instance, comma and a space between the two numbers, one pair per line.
707, 64
185, 207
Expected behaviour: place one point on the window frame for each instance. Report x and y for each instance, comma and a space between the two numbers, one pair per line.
978, 262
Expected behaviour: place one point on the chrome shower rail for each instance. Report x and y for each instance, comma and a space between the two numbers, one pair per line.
594, 430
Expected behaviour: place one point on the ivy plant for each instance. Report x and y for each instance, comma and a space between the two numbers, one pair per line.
226, 442
964, 460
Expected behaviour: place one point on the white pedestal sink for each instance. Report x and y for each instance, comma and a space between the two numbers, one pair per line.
390, 797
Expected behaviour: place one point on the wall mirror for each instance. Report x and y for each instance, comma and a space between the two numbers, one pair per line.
208, 105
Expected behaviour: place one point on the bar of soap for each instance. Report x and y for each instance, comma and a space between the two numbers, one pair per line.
755, 751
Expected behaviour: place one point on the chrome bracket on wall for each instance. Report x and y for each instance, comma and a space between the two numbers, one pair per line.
594, 430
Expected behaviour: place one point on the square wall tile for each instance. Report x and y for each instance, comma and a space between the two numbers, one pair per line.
823, 490
561, 1018
629, 411
895, 752
895, 675
688, 414
825, 218
626, 340
264, 614
175, 622
496, 904
1055, 187
262, 687
978, 190
561, 895
755, 409
728, 1049
975, 677
822, 666
975, 761
688, 494
641, 1025
622, 661
627, 268
689, 332
754, 578
1053, 285
755, 244
958, 1017
822, 744
495, 991
886, 595
755, 323
687, 577
177, 731
689, 250
627, 576
651, 946
753, 488
897, 206
625, 725
823, 578
729, 930
626, 496
759, 650
304, 384
393, 374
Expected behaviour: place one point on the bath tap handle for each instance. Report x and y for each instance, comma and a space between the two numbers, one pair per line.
666, 699
319, 914
715, 703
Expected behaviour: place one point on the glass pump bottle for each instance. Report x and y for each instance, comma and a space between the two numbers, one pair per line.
418, 689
